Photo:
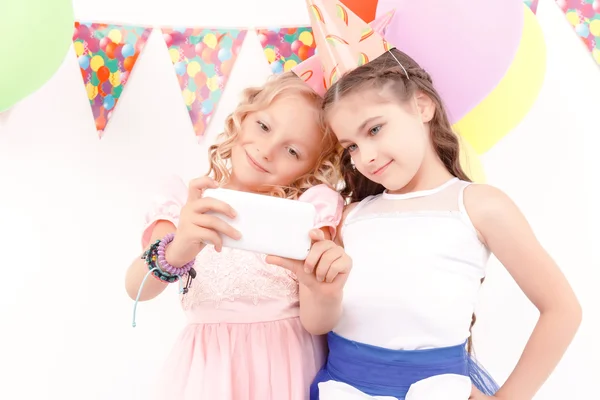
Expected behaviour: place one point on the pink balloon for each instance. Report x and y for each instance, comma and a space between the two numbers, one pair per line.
83, 32
168, 39
92, 46
199, 47
263, 38
296, 45
177, 38
565, 5
596, 6
285, 49
139, 46
189, 52
466, 47
587, 10
103, 42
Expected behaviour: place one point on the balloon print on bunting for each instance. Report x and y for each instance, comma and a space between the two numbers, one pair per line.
584, 16
532, 4
203, 59
107, 55
285, 48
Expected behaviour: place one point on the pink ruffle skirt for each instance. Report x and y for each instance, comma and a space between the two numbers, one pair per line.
274, 360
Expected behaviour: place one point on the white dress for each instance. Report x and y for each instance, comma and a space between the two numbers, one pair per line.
417, 269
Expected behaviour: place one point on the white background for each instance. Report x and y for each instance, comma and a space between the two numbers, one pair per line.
71, 209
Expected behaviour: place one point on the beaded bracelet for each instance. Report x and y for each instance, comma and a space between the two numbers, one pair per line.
151, 258
162, 262
162, 270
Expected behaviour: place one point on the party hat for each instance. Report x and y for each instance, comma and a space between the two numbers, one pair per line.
344, 42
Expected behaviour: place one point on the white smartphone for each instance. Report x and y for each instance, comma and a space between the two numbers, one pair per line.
269, 225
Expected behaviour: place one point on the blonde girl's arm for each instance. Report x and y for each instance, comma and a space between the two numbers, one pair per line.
509, 236
138, 268
160, 219
184, 208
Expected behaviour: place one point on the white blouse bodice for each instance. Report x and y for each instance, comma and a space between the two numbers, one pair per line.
417, 268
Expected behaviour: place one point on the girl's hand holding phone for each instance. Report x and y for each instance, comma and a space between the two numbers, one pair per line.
195, 228
325, 269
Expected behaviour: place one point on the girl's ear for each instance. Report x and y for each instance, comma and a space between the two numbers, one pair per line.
425, 106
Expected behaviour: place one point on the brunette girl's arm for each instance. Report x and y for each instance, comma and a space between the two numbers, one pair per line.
320, 313
508, 235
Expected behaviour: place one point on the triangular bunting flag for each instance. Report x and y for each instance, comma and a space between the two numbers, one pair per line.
532, 4
203, 60
107, 54
584, 16
285, 48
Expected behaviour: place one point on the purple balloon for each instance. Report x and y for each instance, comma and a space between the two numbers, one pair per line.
204, 92
107, 87
466, 47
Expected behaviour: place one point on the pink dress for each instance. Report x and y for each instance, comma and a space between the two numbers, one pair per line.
243, 340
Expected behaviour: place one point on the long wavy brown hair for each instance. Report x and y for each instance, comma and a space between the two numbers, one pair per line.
385, 72
326, 169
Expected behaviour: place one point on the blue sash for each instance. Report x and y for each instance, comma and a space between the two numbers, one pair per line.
377, 371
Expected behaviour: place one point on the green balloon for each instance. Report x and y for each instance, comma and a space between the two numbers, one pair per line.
112, 65
35, 37
94, 79
117, 90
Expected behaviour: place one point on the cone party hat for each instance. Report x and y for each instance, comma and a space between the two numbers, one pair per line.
344, 42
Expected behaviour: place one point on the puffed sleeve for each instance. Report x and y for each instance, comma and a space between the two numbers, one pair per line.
329, 205
169, 198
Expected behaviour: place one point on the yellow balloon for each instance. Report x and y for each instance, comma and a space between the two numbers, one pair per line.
193, 68
188, 97
96, 62
174, 53
470, 162
306, 38
573, 18
289, 64
115, 35
115, 78
212, 83
210, 40
79, 48
513, 97
596, 55
595, 27
92, 91
270, 54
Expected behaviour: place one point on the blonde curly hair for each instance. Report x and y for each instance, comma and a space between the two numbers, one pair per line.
327, 167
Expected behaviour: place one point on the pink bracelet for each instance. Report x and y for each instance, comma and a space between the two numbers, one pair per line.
162, 262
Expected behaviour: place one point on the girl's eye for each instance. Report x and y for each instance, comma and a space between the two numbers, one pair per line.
293, 152
375, 130
263, 126
352, 147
